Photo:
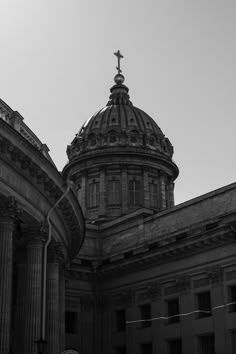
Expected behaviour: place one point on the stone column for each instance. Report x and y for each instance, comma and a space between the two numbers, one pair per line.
62, 307
33, 290
171, 194
162, 191
53, 328
124, 190
215, 275
7, 213
83, 193
146, 189
20, 299
102, 192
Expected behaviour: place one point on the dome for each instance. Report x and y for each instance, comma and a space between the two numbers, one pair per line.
120, 123
120, 160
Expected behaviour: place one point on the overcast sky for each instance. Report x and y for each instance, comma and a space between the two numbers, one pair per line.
57, 67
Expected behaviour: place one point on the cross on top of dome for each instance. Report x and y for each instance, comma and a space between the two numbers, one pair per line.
119, 56
119, 78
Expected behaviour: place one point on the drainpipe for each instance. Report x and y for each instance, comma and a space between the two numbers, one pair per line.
42, 340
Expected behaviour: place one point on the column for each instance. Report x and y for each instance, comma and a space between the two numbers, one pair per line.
146, 189
171, 194
102, 209
7, 213
20, 298
53, 328
217, 298
33, 290
124, 190
186, 304
162, 191
62, 307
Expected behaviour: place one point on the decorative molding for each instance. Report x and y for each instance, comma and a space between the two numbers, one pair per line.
183, 282
125, 298
215, 274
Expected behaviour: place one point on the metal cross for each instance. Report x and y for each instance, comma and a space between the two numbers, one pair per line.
119, 56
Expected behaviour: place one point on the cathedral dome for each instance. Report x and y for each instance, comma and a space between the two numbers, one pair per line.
120, 123
120, 160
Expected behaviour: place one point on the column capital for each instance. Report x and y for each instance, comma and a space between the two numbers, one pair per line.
34, 234
55, 252
9, 209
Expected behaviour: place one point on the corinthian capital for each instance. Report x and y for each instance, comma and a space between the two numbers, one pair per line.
9, 209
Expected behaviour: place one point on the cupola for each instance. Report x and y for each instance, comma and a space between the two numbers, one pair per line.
120, 159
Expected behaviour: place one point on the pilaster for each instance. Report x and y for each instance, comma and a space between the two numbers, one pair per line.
35, 239
8, 212
163, 191
124, 191
53, 327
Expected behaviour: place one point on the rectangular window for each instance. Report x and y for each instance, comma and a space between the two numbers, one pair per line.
233, 341
206, 344
204, 304
232, 298
120, 320
120, 350
146, 348
93, 195
134, 192
175, 346
153, 194
145, 314
114, 192
173, 310
71, 322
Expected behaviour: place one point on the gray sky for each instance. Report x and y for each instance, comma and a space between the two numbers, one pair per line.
57, 66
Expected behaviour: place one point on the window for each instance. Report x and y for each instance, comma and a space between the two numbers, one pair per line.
93, 194
152, 141
153, 194
114, 192
175, 346
233, 340
134, 192
120, 350
93, 140
146, 348
173, 310
206, 344
232, 298
71, 322
204, 304
133, 139
112, 138
120, 320
145, 314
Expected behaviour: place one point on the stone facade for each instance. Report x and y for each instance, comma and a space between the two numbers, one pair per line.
150, 277
30, 191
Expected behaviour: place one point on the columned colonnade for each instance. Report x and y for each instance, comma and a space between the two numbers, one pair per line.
19, 333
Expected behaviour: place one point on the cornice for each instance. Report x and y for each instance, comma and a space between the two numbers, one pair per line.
29, 163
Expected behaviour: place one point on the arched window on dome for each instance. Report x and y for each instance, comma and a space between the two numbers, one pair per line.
134, 192
113, 138
94, 194
114, 192
153, 197
93, 140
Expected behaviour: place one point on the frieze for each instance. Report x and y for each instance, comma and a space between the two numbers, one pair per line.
215, 274
183, 282
87, 302
125, 298
231, 275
